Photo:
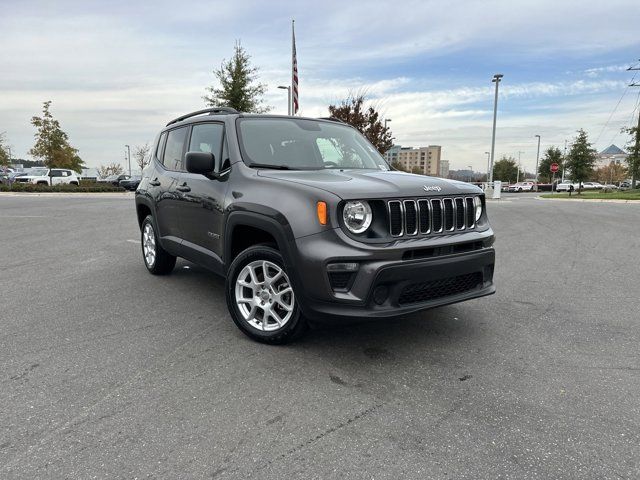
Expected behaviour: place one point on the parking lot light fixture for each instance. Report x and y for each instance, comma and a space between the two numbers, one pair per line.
537, 157
496, 79
288, 89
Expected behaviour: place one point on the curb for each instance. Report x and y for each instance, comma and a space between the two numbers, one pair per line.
67, 194
590, 200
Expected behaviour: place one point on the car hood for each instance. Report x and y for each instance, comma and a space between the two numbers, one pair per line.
364, 184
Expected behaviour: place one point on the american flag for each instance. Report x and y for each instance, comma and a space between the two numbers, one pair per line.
294, 72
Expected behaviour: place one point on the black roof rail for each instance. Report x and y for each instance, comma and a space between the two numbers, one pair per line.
333, 119
210, 111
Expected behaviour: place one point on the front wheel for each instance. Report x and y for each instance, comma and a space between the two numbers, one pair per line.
261, 299
157, 260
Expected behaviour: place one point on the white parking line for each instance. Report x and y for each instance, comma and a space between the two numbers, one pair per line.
133, 241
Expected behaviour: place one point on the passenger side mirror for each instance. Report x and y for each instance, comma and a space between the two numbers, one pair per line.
203, 163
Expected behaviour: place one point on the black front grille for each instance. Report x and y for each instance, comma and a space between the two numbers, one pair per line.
395, 218
411, 217
433, 215
425, 291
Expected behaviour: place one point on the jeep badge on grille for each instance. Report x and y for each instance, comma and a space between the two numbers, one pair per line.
435, 188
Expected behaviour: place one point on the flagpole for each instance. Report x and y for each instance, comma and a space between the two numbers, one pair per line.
293, 40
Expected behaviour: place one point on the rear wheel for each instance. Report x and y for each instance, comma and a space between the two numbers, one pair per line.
260, 297
157, 260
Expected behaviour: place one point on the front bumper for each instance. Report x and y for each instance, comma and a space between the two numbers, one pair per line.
392, 280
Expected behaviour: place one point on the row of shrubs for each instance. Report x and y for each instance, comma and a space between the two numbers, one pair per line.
84, 187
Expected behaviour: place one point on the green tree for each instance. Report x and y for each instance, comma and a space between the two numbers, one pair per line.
633, 147
52, 143
551, 155
238, 85
581, 159
417, 170
5, 157
396, 165
506, 170
365, 118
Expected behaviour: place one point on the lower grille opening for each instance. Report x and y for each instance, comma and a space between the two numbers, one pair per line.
424, 291
340, 280
438, 251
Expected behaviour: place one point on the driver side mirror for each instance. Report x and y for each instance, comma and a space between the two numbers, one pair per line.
203, 163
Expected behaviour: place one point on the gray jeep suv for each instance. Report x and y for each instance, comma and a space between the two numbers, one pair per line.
307, 222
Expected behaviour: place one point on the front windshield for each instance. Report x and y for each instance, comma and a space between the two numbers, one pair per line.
301, 144
38, 172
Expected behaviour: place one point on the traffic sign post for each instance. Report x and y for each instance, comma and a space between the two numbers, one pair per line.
554, 168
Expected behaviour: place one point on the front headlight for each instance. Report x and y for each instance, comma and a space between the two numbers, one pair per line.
477, 203
357, 216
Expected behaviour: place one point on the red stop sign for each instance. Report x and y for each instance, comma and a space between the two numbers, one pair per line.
554, 167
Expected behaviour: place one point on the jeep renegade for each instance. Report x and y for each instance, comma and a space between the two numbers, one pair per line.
307, 222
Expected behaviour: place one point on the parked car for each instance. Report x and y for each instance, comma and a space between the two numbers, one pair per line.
131, 183
302, 231
592, 185
523, 187
566, 186
114, 179
46, 176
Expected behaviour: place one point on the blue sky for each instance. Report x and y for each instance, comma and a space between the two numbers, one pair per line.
117, 71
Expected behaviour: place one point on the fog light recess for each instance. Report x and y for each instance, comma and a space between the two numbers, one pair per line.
380, 294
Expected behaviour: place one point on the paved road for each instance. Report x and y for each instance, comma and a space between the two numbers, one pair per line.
107, 371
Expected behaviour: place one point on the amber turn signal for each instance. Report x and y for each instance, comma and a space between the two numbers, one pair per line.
322, 212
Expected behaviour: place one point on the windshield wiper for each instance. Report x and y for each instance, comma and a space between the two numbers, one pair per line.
275, 167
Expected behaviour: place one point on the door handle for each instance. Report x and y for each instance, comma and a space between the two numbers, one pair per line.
183, 188
154, 182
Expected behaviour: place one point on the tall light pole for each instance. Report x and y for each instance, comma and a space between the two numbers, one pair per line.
129, 157
564, 159
537, 157
496, 79
487, 154
288, 89
518, 174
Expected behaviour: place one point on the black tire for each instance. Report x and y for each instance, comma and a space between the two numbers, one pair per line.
295, 326
163, 262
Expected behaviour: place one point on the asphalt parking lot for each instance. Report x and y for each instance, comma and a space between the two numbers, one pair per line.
109, 372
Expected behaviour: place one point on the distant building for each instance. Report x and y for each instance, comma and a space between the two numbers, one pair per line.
426, 159
611, 154
444, 168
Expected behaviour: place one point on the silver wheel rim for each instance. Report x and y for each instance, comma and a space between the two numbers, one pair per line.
264, 296
149, 245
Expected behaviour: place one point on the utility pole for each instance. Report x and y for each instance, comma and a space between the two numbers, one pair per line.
537, 157
635, 163
518, 175
564, 159
496, 79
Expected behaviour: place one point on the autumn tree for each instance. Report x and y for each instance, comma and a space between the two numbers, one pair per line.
111, 169
506, 169
141, 155
52, 143
612, 173
355, 111
5, 156
581, 159
237, 85
551, 155
396, 165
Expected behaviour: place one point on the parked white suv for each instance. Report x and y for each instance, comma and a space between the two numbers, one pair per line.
46, 176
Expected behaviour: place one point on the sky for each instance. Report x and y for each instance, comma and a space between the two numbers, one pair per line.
117, 71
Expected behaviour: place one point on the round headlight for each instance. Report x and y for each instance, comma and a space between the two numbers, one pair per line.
357, 216
478, 207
